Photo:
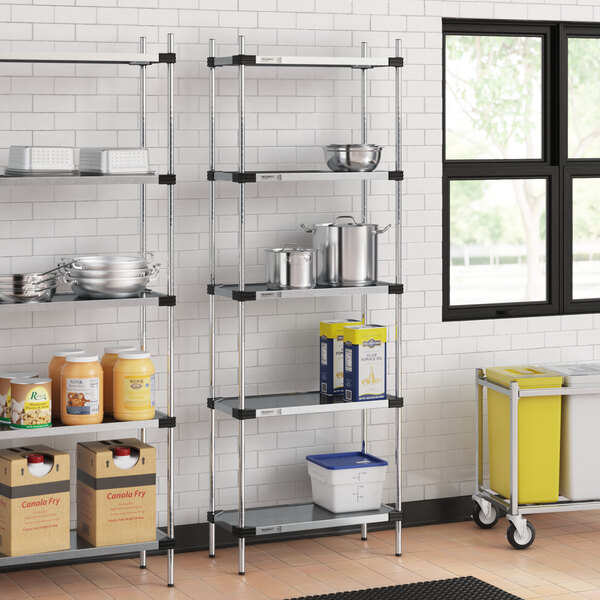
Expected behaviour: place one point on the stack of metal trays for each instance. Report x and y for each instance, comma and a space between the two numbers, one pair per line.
110, 276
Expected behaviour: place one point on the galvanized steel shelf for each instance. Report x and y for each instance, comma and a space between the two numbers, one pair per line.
70, 301
81, 549
97, 58
246, 522
300, 403
76, 179
286, 518
350, 62
160, 421
260, 291
489, 503
277, 176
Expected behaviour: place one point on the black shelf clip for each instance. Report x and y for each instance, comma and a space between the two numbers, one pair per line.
396, 175
210, 403
395, 61
395, 401
396, 288
243, 532
243, 296
167, 422
395, 515
166, 543
241, 414
167, 300
167, 179
167, 57
210, 289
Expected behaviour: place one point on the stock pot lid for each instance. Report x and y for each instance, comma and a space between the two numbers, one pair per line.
291, 250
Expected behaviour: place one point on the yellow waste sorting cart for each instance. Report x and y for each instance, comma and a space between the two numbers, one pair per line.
538, 438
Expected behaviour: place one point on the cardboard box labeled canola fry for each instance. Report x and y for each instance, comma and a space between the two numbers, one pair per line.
34, 510
114, 505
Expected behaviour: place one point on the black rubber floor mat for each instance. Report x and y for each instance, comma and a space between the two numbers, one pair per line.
459, 588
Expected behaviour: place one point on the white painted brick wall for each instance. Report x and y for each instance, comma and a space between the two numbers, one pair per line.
290, 114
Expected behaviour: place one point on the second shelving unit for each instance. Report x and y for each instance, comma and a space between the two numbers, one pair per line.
164, 541
246, 522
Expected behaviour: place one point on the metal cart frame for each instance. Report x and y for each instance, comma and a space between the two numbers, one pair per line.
489, 505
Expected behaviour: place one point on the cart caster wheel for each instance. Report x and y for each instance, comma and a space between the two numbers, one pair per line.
520, 542
483, 521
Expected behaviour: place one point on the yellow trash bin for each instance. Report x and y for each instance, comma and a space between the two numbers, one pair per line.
539, 435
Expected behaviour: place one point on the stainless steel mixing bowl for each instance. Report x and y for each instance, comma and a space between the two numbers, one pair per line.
352, 157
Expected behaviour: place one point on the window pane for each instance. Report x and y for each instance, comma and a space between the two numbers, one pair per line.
493, 97
497, 241
584, 90
586, 238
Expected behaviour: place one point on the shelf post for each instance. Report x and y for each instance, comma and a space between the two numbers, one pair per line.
241, 310
143, 217
514, 448
479, 431
398, 316
170, 320
363, 219
211, 297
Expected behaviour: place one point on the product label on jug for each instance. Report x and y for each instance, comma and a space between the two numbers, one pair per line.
138, 393
83, 396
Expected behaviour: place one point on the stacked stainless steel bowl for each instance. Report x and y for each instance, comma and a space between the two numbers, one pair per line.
110, 276
28, 287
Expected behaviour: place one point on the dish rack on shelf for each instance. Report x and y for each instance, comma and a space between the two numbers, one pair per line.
79, 549
246, 523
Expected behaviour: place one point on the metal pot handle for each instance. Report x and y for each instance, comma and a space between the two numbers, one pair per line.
307, 229
291, 246
383, 230
305, 255
153, 271
345, 217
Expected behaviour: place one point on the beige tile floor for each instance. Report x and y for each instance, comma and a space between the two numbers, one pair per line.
562, 564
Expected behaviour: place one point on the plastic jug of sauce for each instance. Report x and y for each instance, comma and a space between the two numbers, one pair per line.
134, 387
111, 355
57, 362
82, 390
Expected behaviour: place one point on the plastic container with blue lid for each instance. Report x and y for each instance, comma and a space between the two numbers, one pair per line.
346, 460
347, 481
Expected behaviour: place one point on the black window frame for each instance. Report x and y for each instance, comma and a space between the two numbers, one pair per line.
554, 165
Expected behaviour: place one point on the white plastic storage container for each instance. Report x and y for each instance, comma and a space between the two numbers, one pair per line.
347, 481
580, 442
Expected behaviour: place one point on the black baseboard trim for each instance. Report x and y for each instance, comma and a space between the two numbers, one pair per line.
194, 537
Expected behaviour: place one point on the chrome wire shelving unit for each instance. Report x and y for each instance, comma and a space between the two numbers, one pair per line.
490, 505
164, 540
245, 522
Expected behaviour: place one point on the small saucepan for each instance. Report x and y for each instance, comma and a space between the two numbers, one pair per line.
291, 267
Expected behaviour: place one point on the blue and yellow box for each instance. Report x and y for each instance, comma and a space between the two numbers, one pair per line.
365, 362
331, 346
